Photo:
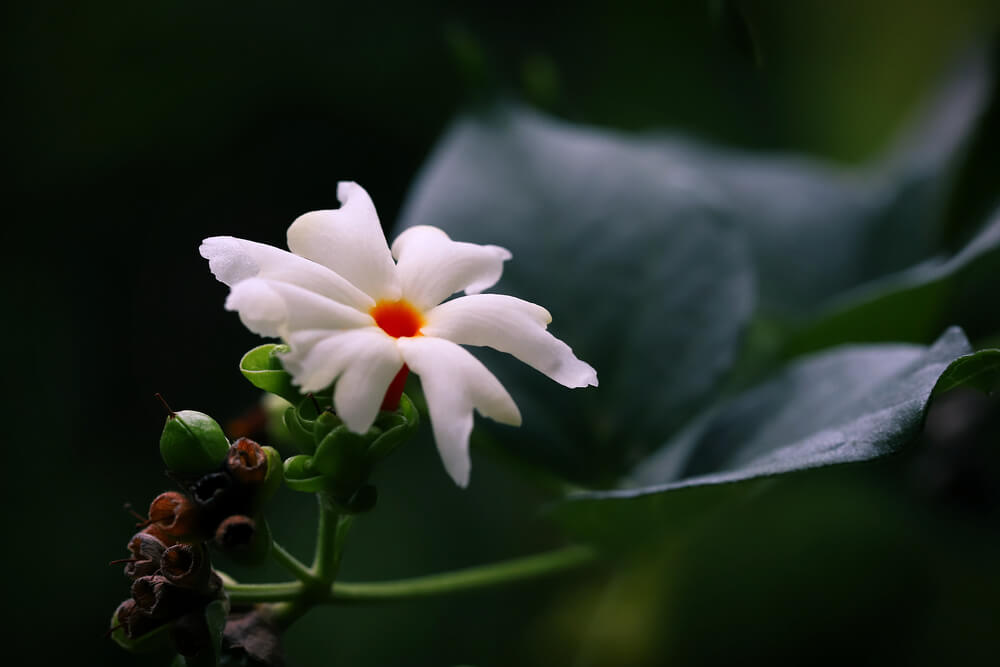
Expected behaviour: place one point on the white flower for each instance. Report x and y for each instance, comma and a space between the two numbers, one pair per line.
351, 314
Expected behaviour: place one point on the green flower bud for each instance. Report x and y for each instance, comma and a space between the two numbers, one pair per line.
300, 475
398, 427
341, 457
192, 443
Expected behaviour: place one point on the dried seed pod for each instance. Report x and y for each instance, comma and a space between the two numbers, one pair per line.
176, 515
156, 597
187, 566
146, 550
244, 539
247, 462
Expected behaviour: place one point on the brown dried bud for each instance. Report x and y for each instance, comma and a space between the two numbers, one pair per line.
156, 597
236, 533
134, 622
187, 566
247, 462
175, 514
146, 552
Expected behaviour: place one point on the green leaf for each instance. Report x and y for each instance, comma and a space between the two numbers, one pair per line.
980, 370
652, 253
262, 366
620, 242
913, 304
847, 404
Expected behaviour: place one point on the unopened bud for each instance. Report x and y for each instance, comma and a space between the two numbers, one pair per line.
175, 514
192, 443
247, 462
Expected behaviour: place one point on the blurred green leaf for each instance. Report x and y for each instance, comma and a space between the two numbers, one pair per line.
912, 304
650, 288
653, 253
848, 404
980, 370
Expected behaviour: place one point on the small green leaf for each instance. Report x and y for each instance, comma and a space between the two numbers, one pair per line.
262, 366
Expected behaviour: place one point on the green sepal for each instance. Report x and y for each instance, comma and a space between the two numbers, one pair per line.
325, 422
262, 366
275, 474
398, 427
157, 639
192, 443
301, 476
341, 457
301, 434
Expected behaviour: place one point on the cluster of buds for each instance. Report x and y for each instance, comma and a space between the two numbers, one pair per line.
223, 490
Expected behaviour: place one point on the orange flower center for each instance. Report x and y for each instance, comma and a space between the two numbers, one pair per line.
399, 319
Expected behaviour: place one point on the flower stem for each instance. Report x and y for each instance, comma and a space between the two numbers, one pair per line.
467, 579
249, 593
331, 534
294, 566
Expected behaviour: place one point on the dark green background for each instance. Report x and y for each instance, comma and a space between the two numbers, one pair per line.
136, 129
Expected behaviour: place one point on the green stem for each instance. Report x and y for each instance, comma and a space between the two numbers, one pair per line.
326, 558
466, 579
297, 568
458, 581
250, 593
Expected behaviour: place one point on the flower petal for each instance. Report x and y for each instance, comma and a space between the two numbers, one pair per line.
431, 267
455, 382
362, 361
273, 308
513, 326
233, 260
349, 241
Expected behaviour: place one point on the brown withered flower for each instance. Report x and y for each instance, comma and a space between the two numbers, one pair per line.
187, 566
247, 462
175, 514
146, 550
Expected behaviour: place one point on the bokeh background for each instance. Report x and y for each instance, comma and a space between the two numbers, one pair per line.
134, 130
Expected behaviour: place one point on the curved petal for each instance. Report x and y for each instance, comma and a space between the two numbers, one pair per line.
362, 361
454, 383
349, 241
233, 260
513, 326
273, 308
431, 267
